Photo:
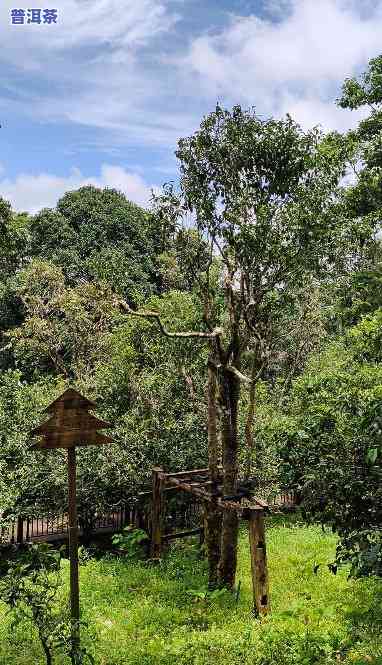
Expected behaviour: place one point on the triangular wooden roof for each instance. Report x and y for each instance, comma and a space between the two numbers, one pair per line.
71, 395
70, 439
84, 422
70, 423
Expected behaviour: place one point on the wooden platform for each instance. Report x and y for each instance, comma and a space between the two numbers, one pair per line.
197, 482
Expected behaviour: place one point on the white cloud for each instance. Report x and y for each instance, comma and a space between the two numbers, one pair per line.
33, 192
81, 24
310, 111
128, 70
94, 68
296, 64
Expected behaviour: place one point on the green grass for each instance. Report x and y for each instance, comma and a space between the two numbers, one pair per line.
143, 615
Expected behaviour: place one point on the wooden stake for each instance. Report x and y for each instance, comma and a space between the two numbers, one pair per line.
20, 530
259, 568
73, 553
157, 513
71, 425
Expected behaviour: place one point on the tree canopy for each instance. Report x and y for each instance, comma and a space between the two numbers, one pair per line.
94, 235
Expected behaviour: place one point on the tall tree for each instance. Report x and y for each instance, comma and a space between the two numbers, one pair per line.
12, 240
13, 243
65, 329
363, 199
261, 194
97, 234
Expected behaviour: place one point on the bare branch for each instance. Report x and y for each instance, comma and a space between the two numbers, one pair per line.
156, 317
238, 374
189, 382
221, 251
230, 368
212, 365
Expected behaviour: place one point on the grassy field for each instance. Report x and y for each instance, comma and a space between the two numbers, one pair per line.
145, 615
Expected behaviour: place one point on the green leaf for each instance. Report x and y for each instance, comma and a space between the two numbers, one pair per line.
372, 455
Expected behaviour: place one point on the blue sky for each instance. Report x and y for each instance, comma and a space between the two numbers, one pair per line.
104, 95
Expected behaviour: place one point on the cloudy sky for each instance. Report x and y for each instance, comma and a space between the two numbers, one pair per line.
104, 95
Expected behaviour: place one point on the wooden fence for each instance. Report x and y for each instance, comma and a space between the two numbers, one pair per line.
52, 527
184, 515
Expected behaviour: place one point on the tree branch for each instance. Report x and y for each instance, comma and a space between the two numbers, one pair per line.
156, 317
235, 371
189, 382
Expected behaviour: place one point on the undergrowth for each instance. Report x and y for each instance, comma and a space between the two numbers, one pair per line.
141, 614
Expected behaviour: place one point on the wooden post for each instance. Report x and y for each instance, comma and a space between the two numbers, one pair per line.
259, 568
73, 553
157, 511
213, 527
20, 530
70, 424
203, 524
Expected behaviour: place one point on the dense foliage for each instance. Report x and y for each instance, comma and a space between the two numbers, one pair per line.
98, 235
267, 254
329, 439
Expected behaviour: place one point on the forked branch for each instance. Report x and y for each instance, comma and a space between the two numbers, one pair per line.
236, 372
156, 317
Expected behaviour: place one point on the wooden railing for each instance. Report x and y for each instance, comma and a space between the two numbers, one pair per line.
52, 527
183, 516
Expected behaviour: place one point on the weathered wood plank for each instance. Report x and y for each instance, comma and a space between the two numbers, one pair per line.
72, 399
193, 489
182, 534
157, 512
259, 566
70, 424
179, 474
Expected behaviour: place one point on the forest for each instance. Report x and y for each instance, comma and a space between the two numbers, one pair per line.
236, 321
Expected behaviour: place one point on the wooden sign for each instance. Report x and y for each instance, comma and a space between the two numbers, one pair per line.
71, 424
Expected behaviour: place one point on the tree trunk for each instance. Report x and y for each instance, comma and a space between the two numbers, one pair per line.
213, 517
230, 397
213, 542
213, 445
228, 558
48, 655
249, 442
249, 447
43, 640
